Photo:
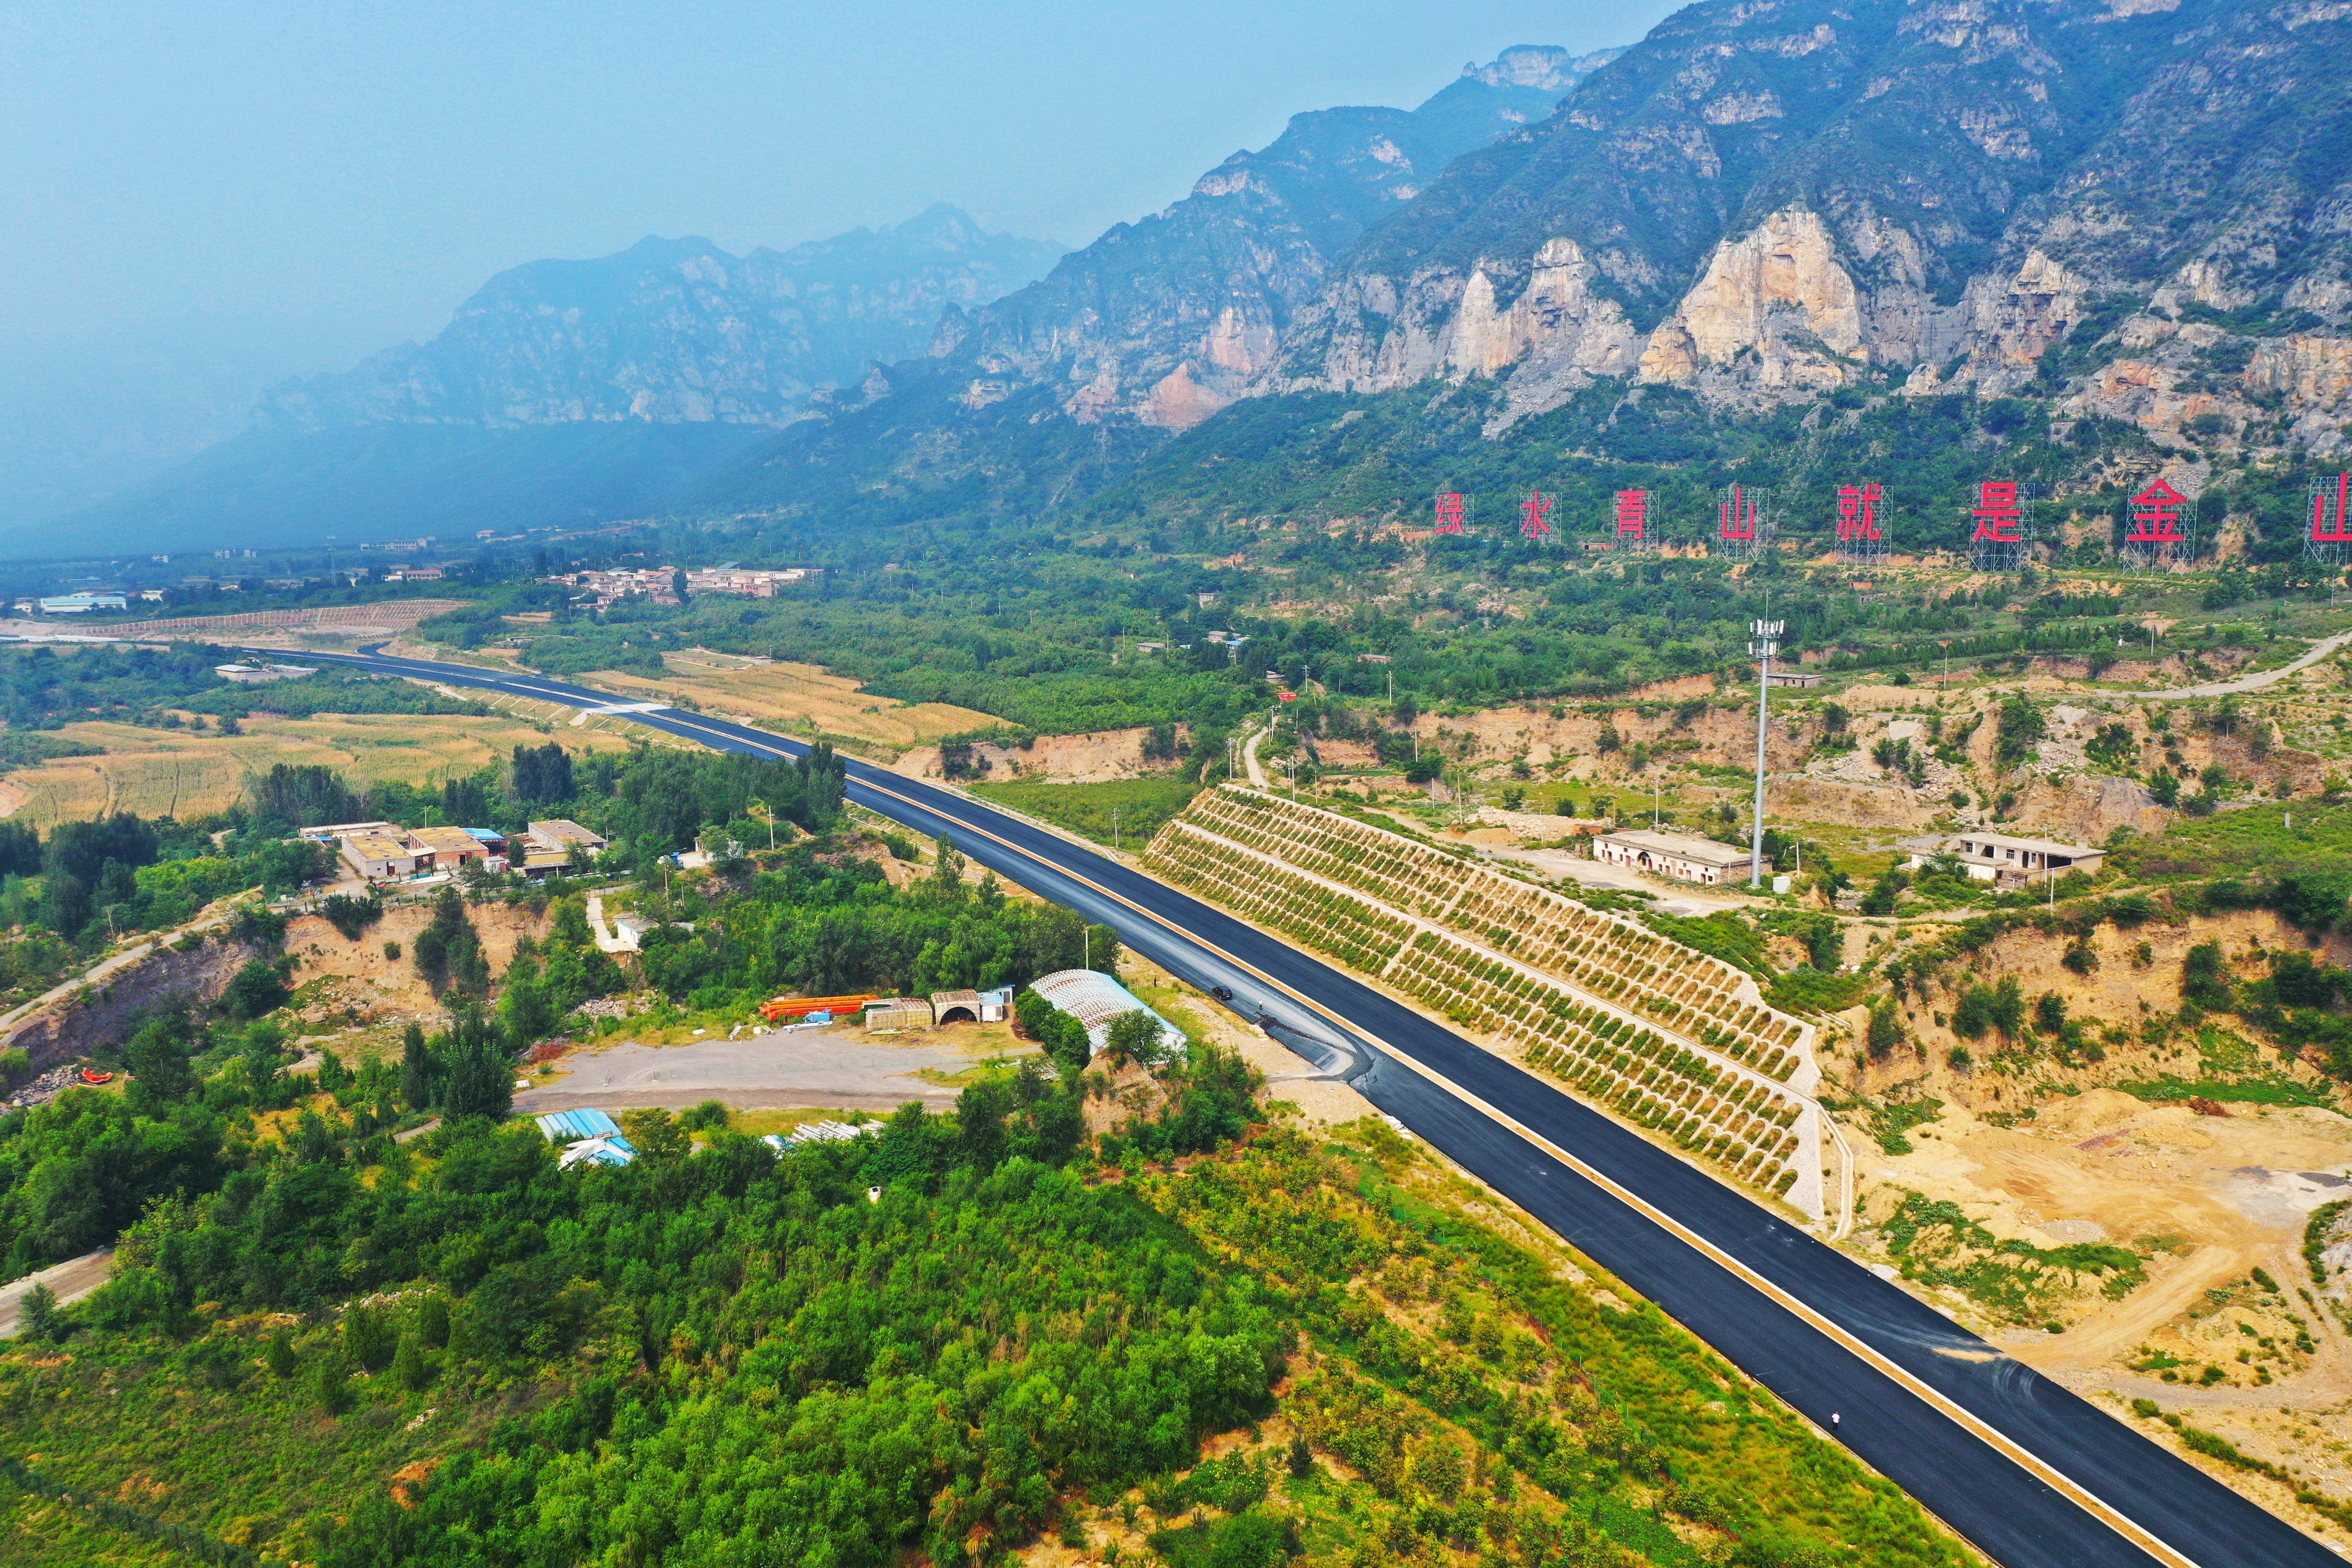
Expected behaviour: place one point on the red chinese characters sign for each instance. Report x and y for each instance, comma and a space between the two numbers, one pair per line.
1998, 513
1858, 513
1736, 516
2328, 518
1532, 514
1633, 514
1450, 511
2156, 516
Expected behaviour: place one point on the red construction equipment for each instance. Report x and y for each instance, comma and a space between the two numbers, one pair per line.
784, 1008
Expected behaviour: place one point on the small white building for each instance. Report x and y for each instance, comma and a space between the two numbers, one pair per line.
2008, 857
379, 856
1675, 855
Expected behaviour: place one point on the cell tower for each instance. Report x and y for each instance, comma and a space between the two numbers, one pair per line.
2003, 538
2330, 541
1861, 540
2160, 537
1633, 520
1744, 520
1453, 512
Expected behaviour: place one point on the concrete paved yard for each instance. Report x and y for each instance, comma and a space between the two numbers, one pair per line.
842, 1069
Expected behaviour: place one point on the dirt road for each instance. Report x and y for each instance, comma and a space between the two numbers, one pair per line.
2255, 681
72, 1279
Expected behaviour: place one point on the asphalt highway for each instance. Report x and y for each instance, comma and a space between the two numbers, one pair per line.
2031, 1475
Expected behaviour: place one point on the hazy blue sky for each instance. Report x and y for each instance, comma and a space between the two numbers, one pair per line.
327, 179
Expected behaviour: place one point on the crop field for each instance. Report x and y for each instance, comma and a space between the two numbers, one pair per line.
1144, 805
1659, 1033
181, 773
794, 697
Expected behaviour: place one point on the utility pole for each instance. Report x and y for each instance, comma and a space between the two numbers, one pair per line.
1114, 829
1766, 636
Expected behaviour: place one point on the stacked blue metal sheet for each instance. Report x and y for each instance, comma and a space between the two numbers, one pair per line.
571, 1126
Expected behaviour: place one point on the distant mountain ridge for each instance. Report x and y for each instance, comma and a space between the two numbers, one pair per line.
685, 355
2140, 209
674, 332
1169, 318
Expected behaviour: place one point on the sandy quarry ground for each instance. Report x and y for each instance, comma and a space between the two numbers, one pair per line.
2216, 1199
1099, 756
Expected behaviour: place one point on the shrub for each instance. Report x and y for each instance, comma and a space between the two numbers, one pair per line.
433, 1322
351, 916
283, 1361
2205, 978
330, 1384
368, 1337
254, 990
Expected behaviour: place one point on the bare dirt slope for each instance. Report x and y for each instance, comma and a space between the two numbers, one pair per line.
360, 978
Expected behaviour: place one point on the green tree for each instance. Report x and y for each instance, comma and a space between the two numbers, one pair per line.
1133, 1036
416, 1075
655, 1134
254, 990
2050, 1014
368, 1336
2018, 732
283, 1361
433, 1322
475, 1076
2205, 978
1885, 1030
44, 1320
410, 1369
331, 1383
160, 1073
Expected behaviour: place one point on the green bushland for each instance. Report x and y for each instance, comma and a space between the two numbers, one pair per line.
1143, 804
1938, 1244
727, 1356
42, 688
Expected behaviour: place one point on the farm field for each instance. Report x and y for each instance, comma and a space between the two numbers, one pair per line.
794, 697
181, 773
1144, 805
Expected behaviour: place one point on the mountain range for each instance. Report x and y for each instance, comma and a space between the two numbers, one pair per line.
2131, 211
568, 391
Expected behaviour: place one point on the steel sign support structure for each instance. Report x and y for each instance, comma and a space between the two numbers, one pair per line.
1765, 643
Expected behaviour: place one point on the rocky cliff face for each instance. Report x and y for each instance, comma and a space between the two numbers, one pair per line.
1169, 318
2138, 208
674, 332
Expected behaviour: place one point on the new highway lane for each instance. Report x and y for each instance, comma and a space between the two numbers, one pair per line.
2030, 1474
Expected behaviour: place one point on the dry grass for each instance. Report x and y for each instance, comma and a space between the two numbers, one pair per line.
794, 696
178, 772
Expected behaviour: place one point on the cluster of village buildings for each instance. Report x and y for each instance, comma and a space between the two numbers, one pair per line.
387, 852
2005, 859
659, 584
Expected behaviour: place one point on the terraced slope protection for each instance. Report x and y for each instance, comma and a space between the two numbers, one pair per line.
1664, 1036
